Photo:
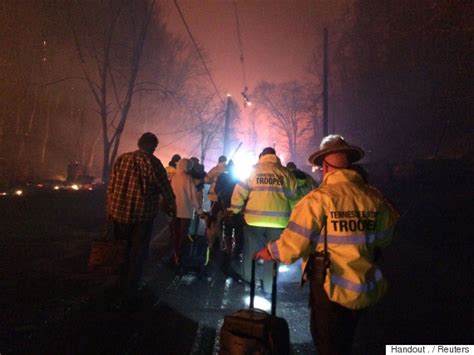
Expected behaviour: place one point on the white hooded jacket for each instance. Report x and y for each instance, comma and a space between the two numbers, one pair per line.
185, 191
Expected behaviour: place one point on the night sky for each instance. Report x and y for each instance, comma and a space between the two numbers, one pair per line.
278, 38
399, 78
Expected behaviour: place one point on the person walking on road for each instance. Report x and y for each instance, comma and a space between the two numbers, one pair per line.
198, 173
137, 184
337, 229
232, 224
211, 179
188, 204
265, 198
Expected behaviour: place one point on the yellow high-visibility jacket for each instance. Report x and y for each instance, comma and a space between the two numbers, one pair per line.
211, 178
358, 219
267, 195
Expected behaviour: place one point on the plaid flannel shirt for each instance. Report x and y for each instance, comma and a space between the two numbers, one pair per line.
133, 194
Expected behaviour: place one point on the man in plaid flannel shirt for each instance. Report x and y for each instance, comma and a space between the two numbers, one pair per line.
137, 184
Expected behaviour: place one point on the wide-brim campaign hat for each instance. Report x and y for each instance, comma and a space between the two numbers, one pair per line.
335, 143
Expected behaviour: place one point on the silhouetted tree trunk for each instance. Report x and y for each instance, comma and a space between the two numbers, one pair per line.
112, 80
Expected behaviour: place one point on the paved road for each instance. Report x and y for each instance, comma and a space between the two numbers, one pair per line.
205, 301
429, 301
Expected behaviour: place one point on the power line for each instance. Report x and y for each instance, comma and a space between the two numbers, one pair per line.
239, 40
242, 59
198, 51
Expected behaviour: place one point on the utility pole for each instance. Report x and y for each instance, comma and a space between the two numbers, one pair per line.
325, 82
227, 125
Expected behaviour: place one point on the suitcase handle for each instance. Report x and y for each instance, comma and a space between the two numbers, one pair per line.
274, 286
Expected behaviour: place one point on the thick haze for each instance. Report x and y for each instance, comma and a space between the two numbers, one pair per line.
278, 38
400, 79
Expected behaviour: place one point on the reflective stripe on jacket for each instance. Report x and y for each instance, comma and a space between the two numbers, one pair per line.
358, 219
266, 196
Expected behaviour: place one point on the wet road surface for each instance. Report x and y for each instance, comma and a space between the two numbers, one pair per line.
428, 267
205, 300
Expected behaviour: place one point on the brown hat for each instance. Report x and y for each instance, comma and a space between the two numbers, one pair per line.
335, 143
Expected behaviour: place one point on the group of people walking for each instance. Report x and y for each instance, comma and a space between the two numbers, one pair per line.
187, 178
337, 229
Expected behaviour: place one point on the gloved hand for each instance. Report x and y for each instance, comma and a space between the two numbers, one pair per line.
263, 254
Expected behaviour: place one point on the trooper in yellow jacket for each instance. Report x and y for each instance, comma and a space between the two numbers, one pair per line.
337, 229
265, 198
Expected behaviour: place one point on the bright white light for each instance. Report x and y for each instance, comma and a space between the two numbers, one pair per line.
282, 156
3, 193
19, 192
243, 164
283, 268
56, 187
75, 187
259, 302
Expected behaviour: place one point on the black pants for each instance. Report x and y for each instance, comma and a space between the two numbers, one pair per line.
234, 233
332, 325
137, 236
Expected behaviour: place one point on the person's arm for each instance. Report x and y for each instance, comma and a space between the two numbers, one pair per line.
164, 185
298, 238
386, 221
239, 196
111, 187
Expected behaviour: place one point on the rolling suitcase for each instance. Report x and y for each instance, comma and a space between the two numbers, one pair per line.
254, 331
195, 254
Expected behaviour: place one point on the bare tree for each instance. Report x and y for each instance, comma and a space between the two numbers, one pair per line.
109, 39
288, 108
205, 120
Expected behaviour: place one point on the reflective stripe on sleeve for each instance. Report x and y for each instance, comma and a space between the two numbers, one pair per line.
300, 230
274, 251
236, 206
359, 288
267, 213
